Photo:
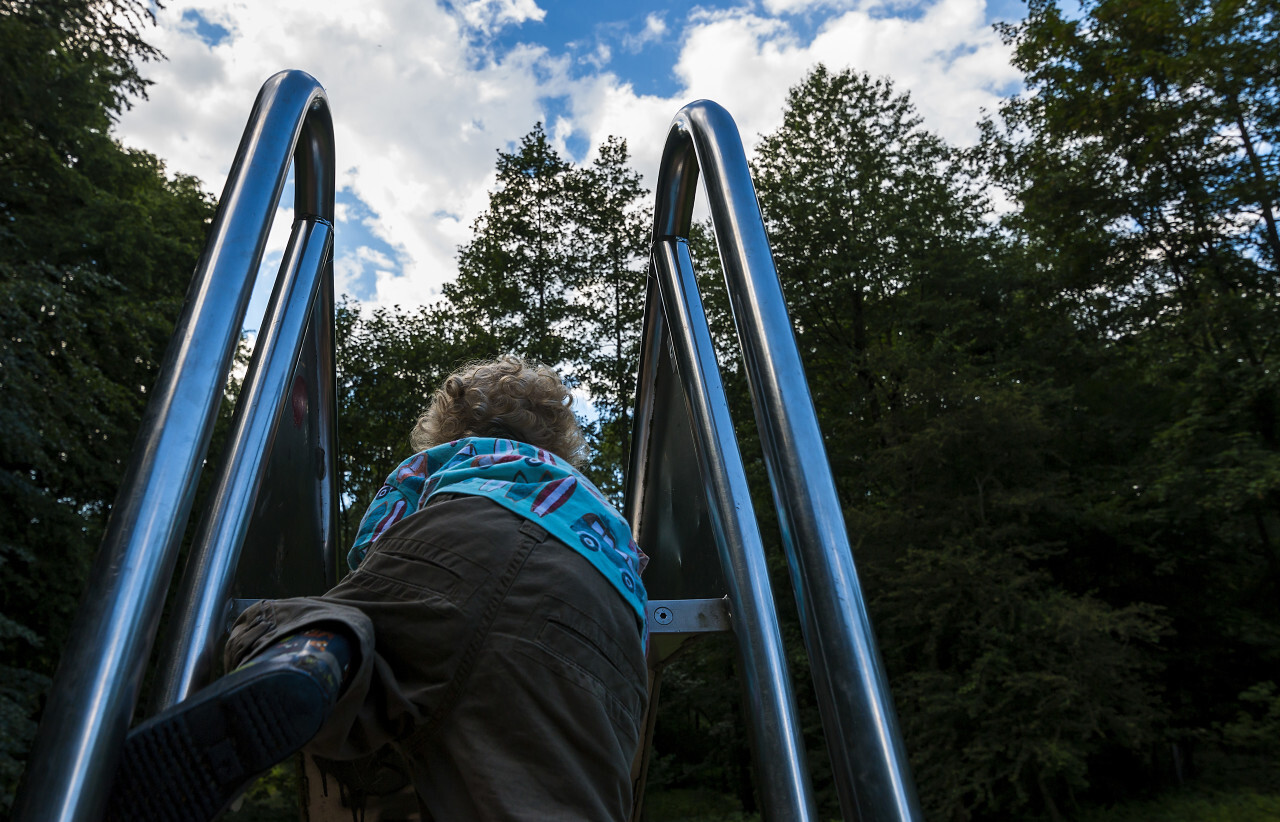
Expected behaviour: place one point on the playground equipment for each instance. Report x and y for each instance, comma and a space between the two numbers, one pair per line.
277, 490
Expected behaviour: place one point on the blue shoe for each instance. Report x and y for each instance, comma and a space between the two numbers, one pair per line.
190, 762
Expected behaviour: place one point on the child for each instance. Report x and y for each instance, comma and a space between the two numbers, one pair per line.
492, 631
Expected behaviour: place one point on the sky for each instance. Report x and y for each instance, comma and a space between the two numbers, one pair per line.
425, 92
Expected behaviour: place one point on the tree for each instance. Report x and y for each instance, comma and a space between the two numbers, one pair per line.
96, 245
923, 339
1141, 156
518, 275
612, 222
874, 231
388, 364
555, 271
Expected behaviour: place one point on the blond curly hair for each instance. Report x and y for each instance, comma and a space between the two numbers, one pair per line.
506, 397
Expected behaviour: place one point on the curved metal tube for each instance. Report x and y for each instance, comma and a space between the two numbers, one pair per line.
97, 684
868, 757
785, 790
200, 618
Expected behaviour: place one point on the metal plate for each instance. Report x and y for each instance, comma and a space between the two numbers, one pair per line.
285, 551
673, 527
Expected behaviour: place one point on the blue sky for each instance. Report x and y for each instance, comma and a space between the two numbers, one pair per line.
424, 92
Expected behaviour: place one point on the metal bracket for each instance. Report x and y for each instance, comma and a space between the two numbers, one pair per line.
689, 616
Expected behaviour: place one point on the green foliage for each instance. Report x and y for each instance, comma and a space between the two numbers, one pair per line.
1056, 435
951, 391
388, 362
1256, 726
273, 797
1141, 160
517, 276
19, 689
1246, 806
1051, 434
613, 226
694, 805
1008, 685
876, 238
699, 744
96, 246
556, 271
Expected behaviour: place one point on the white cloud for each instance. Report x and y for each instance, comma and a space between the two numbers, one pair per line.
747, 62
418, 112
599, 57
947, 58
654, 29
490, 15
421, 102
800, 6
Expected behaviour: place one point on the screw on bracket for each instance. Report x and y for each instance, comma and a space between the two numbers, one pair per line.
662, 615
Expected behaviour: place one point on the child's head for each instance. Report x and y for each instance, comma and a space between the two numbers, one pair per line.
506, 397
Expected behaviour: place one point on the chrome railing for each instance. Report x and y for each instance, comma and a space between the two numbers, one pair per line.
868, 759
97, 684
681, 408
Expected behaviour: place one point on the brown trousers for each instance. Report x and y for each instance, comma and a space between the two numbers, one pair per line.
497, 660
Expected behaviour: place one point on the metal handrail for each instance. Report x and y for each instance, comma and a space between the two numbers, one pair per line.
200, 618
94, 693
868, 758
782, 775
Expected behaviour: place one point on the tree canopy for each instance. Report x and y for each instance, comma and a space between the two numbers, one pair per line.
1053, 426
97, 244
1141, 159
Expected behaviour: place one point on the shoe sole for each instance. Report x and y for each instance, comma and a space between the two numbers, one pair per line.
188, 763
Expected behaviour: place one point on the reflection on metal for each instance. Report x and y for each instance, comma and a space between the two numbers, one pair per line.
290, 551
276, 492
676, 522
868, 758
240, 485
93, 695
